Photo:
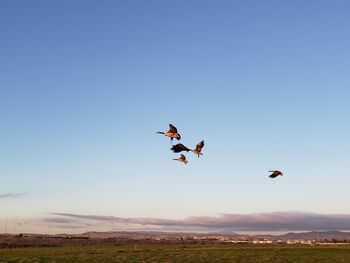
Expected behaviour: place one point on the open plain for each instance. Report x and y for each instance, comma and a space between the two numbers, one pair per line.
141, 252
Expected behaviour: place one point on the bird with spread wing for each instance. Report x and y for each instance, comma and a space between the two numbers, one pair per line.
171, 133
198, 149
182, 159
180, 147
275, 173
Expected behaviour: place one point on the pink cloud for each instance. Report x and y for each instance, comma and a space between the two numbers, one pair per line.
274, 221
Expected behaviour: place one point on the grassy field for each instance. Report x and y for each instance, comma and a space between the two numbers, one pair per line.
179, 253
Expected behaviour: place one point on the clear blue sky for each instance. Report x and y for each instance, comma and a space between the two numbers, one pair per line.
84, 86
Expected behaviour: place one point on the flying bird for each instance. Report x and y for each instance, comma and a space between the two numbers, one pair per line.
182, 159
198, 150
275, 173
179, 148
172, 133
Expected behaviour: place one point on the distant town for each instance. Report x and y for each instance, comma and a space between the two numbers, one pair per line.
118, 238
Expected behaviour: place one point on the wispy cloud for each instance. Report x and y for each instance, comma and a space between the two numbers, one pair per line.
12, 195
68, 226
274, 221
60, 220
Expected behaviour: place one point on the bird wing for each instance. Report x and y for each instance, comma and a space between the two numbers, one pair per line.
179, 148
172, 128
182, 157
199, 146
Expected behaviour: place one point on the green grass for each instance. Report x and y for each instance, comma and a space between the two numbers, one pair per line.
179, 253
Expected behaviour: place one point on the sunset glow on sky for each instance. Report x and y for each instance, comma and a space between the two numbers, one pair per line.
85, 86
